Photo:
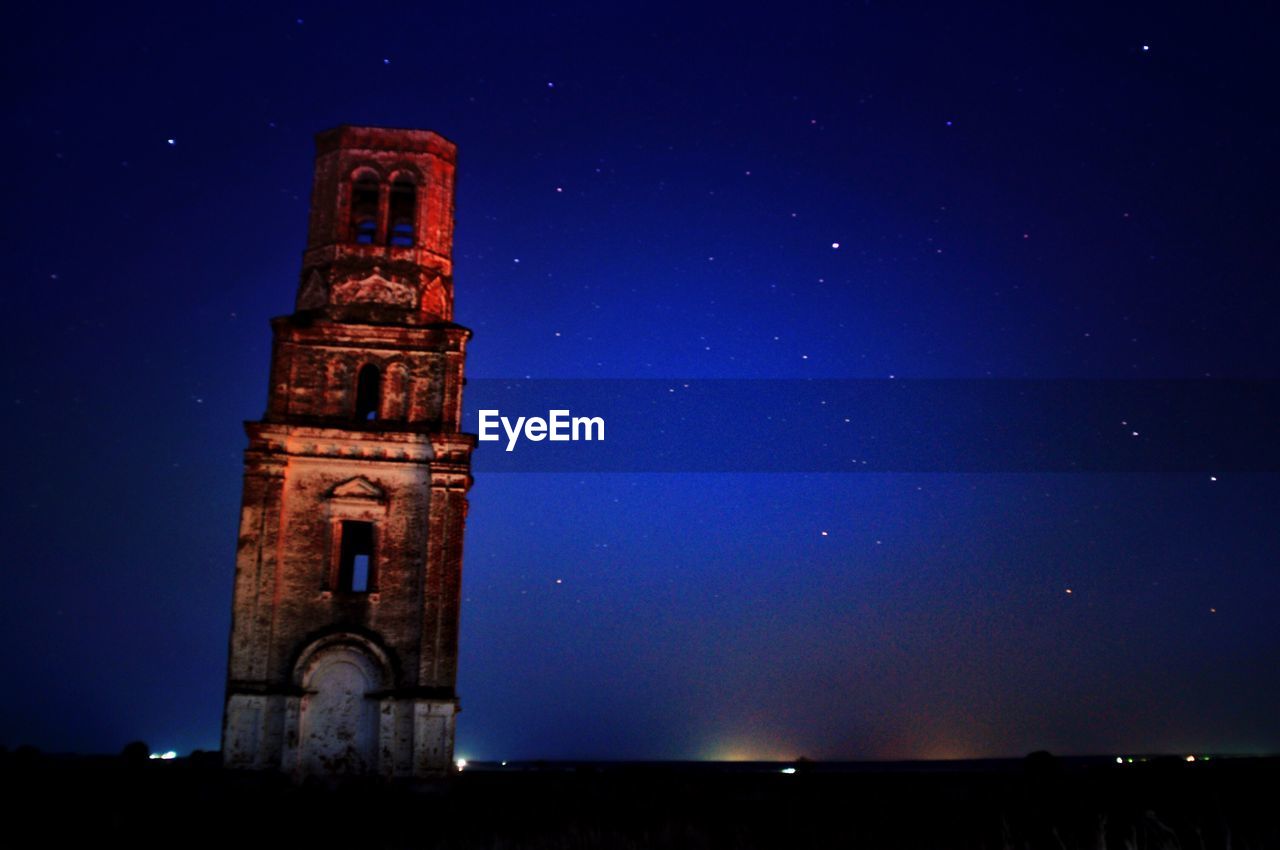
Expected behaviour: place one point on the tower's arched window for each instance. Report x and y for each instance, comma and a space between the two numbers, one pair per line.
364, 208
403, 212
368, 392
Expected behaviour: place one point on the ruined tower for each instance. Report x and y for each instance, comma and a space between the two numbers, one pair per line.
344, 633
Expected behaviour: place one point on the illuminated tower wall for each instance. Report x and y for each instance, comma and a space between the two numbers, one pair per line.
344, 636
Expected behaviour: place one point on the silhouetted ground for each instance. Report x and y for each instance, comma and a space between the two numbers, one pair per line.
1039, 802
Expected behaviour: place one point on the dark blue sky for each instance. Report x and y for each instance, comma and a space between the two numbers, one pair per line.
655, 192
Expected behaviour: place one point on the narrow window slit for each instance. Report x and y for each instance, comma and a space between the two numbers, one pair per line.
355, 561
368, 392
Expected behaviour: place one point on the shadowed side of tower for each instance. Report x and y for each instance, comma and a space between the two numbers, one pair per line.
344, 634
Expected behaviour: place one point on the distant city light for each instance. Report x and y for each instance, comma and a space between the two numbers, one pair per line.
788, 770
461, 763
1119, 760
1191, 758
166, 756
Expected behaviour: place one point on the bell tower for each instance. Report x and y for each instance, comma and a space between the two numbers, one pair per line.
344, 633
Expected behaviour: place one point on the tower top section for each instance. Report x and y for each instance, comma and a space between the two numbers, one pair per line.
380, 239
349, 137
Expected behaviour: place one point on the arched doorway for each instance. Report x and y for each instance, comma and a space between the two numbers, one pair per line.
338, 722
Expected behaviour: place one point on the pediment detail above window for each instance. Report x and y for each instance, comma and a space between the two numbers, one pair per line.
358, 488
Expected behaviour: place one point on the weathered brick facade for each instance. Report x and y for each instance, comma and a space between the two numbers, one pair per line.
344, 635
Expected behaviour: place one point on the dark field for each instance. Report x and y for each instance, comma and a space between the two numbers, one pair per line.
1032, 803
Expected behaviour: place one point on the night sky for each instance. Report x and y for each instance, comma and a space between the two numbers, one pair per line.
686, 192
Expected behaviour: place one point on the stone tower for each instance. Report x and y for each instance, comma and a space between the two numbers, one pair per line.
344, 633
